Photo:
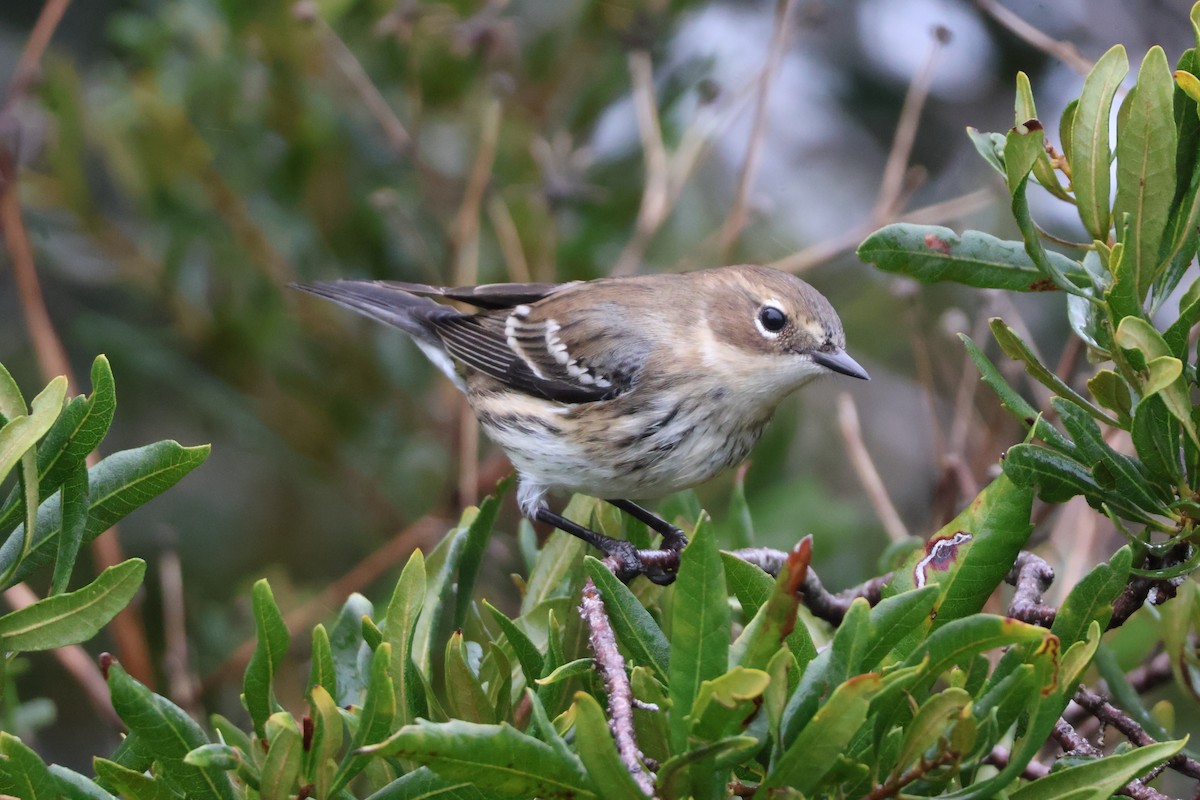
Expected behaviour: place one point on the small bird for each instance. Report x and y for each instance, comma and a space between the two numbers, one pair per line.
632, 387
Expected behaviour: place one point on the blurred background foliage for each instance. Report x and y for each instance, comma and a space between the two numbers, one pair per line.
180, 161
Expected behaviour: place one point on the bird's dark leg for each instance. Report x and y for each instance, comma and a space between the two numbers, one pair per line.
628, 562
673, 538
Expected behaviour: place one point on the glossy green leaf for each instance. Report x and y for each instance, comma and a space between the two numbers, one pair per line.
425, 784
1090, 153
272, 643
814, 751
1015, 348
320, 757
776, 622
494, 758
1091, 599
598, 752
529, 657
441, 567
132, 783
1123, 472
1146, 167
346, 642
970, 555
1057, 478
990, 146
465, 697
1176, 334
374, 720
1155, 433
322, 672
281, 766
168, 734
22, 431
73, 502
1012, 402
474, 549
699, 627
727, 701
1164, 377
117, 485
1099, 779
73, 786
931, 723
66, 619
1112, 392
400, 625
1024, 110
931, 253
636, 630
22, 773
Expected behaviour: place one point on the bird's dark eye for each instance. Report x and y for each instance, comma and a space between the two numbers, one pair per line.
772, 319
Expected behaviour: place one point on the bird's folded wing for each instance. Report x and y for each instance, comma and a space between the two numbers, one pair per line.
488, 295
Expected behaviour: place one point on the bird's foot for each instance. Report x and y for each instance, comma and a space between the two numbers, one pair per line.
627, 562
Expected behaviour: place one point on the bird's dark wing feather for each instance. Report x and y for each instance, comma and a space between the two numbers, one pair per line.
488, 295
570, 353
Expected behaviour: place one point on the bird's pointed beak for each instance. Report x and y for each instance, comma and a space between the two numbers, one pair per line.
839, 360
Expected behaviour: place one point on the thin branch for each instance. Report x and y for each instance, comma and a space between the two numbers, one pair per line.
736, 221
820, 601
35, 47
888, 202
182, 682
1073, 743
935, 213
1099, 707
1032, 576
868, 475
360, 82
1063, 51
610, 664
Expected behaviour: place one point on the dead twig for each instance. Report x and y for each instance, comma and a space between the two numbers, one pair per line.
610, 665
1063, 51
736, 221
868, 475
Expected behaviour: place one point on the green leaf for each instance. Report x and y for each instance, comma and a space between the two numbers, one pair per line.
699, 628
598, 751
1091, 599
815, 750
776, 621
465, 697
636, 630
1066, 127
117, 485
1099, 779
67, 619
1058, 478
726, 703
1155, 433
322, 671
931, 253
1090, 153
930, 724
22, 431
374, 720
1012, 402
399, 627
440, 569
346, 642
560, 563
321, 756
269, 653
970, 555
281, 766
1025, 109
133, 783
168, 735
73, 500
22, 773
1146, 168
1016, 349
990, 146
494, 758
1176, 334
425, 784
73, 786
958, 641
529, 657
1112, 392
474, 548
1164, 374
1123, 472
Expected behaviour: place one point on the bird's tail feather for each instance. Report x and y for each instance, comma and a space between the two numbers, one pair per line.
387, 303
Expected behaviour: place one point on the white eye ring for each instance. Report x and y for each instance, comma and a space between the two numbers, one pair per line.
778, 319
